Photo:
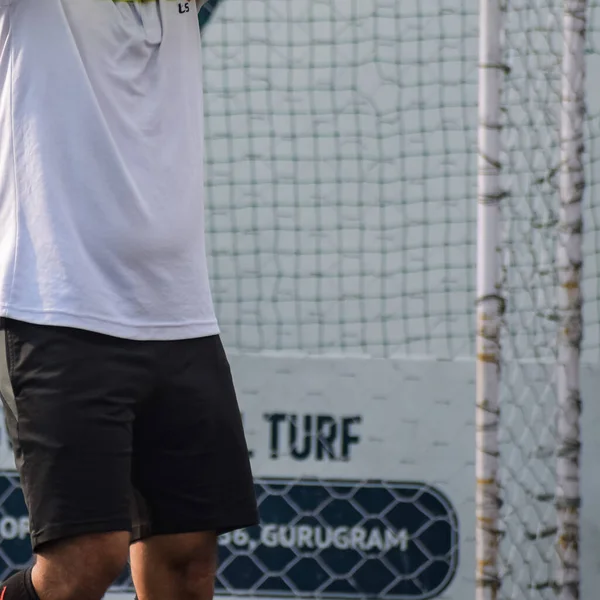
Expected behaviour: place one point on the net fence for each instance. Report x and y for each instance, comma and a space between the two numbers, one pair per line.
341, 170
341, 138
531, 164
341, 147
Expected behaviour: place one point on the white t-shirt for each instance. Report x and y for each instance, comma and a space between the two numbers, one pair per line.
101, 167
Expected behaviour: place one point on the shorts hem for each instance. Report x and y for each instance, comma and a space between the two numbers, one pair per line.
141, 532
56, 533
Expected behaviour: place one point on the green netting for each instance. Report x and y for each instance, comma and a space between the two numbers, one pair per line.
341, 139
531, 138
531, 164
341, 149
341, 154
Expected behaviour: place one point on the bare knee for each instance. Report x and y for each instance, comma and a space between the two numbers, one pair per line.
80, 568
197, 569
193, 551
182, 562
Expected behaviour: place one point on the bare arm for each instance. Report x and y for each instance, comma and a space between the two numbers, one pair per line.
206, 9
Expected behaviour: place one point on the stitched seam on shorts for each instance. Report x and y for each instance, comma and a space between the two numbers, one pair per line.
10, 354
8, 370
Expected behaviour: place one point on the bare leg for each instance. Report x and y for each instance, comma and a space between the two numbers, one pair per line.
80, 568
179, 567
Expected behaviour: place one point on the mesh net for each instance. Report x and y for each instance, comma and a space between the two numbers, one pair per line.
531, 141
341, 144
341, 140
341, 173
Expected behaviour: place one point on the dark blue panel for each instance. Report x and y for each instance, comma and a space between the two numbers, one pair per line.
341, 539
317, 539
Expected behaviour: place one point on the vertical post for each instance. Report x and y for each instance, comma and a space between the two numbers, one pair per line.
569, 263
490, 303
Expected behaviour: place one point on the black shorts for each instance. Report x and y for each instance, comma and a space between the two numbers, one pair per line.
120, 435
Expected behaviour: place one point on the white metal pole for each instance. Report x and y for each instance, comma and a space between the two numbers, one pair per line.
489, 299
569, 262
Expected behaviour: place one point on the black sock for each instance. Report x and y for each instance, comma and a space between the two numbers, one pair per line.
18, 587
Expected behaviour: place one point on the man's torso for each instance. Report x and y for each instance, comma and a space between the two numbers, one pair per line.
101, 167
